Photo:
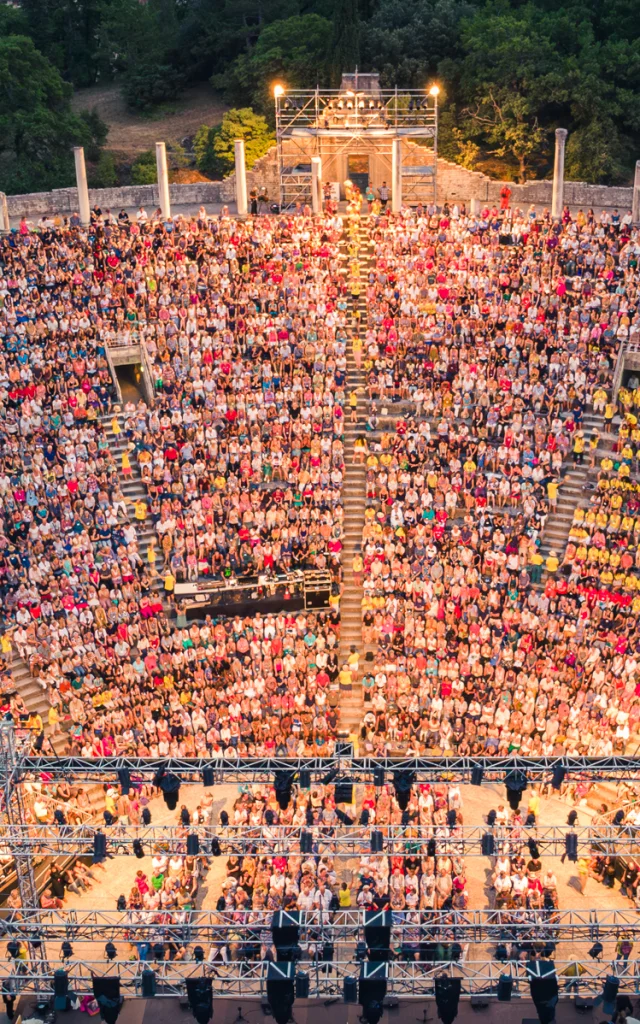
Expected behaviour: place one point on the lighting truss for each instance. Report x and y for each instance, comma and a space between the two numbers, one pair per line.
26, 840
261, 769
247, 978
344, 926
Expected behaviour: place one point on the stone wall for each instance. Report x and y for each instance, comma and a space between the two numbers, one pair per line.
454, 183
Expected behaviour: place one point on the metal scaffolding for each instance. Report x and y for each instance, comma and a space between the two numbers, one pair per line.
456, 769
341, 841
333, 123
410, 979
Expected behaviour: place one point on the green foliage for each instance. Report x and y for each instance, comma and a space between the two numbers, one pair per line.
37, 127
214, 147
344, 49
66, 32
146, 85
144, 170
98, 130
177, 155
103, 174
293, 51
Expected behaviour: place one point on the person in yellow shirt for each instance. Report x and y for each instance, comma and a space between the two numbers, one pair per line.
54, 720
6, 648
609, 413
552, 494
552, 563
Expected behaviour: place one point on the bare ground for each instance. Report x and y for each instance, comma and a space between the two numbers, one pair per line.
131, 132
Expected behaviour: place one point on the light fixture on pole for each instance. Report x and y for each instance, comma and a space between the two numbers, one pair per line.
434, 92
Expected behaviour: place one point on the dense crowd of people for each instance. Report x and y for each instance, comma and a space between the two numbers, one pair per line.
492, 335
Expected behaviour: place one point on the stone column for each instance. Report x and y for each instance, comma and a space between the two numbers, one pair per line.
5, 223
474, 207
81, 180
241, 178
316, 185
557, 201
396, 175
163, 180
635, 208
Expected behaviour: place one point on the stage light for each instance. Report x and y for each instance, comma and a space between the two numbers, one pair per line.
516, 783
505, 986
282, 782
302, 985
434, 91
306, 842
106, 992
477, 775
596, 951
207, 777
377, 841
66, 950
198, 954
278, 90
138, 849
610, 993
215, 847
110, 951
193, 845
402, 782
200, 999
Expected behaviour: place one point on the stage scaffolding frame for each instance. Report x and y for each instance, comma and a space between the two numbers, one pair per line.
327, 123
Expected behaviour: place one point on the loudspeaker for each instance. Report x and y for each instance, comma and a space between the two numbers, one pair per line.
148, 984
106, 991
447, 998
487, 844
377, 929
99, 847
199, 991
372, 989
584, 1004
302, 985
479, 1003
377, 841
285, 929
344, 793
280, 990
505, 987
350, 990
193, 845
60, 990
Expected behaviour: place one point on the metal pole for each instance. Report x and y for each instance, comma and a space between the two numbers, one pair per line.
163, 180
14, 811
635, 208
557, 199
435, 150
241, 178
81, 182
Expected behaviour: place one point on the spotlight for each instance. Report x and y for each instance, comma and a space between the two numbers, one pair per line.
377, 841
402, 783
378, 777
193, 845
516, 783
306, 842
344, 818
13, 948
302, 985
332, 773
110, 951
477, 775
138, 849
170, 786
66, 950
304, 779
200, 999
106, 992
207, 776
283, 781
533, 848
198, 954
596, 951
215, 847
350, 990
505, 986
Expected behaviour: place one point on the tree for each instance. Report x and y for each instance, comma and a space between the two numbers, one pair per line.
293, 51
344, 51
144, 170
214, 147
37, 127
66, 32
139, 42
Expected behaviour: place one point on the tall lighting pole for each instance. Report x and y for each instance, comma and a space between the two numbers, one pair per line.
434, 92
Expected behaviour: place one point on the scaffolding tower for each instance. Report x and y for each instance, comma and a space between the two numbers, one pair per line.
352, 130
